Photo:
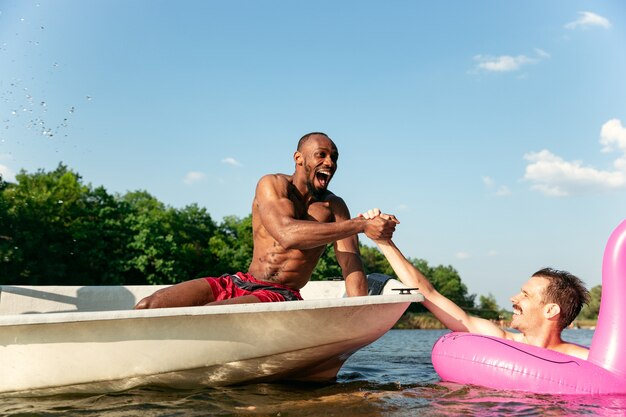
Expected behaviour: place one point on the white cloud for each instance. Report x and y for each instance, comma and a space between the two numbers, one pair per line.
555, 177
501, 191
542, 54
503, 63
508, 63
613, 135
588, 19
7, 173
194, 177
492, 253
231, 161
462, 255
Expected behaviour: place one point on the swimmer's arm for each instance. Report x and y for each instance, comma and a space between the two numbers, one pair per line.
279, 218
445, 310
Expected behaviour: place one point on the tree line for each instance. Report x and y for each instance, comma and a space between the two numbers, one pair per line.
57, 230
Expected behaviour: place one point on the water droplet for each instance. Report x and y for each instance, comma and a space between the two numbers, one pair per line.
88, 98
72, 109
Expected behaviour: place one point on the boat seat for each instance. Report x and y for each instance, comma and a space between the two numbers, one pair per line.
57, 299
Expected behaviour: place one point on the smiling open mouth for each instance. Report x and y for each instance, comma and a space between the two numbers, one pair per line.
323, 177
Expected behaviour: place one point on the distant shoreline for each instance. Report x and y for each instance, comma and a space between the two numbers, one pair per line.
426, 321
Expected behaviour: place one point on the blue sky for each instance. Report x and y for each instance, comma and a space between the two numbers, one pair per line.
495, 131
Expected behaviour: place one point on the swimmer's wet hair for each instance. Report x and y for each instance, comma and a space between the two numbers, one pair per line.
567, 291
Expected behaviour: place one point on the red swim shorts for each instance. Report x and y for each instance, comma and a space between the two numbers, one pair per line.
240, 284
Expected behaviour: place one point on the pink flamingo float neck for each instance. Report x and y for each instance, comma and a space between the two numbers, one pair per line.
608, 346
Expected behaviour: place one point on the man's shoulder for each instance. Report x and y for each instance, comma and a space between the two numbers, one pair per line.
276, 177
578, 351
275, 180
333, 198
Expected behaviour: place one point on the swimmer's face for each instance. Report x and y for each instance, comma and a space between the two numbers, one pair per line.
528, 305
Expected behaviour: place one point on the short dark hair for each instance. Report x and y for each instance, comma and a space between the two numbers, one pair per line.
567, 291
304, 139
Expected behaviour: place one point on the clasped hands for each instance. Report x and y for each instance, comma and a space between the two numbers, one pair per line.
380, 225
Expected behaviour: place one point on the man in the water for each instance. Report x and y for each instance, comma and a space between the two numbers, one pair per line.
294, 217
547, 303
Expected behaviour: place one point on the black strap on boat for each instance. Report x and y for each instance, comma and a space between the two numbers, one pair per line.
376, 283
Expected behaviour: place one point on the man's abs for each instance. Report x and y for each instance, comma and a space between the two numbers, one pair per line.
292, 268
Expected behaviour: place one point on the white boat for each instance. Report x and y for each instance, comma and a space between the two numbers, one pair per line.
62, 339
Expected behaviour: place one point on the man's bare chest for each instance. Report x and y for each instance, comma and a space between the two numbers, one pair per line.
319, 211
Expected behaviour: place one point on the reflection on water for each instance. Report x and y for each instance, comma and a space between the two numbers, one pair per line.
392, 377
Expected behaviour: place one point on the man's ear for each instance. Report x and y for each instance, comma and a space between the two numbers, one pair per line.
298, 158
551, 310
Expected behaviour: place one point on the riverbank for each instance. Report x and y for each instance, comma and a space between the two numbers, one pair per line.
426, 321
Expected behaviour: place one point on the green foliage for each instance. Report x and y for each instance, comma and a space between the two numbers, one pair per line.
444, 278
591, 310
447, 281
56, 230
327, 267
487, 307
51, 229
167, 245
151, 246
375, 261
192, 228
231, 246
412, 320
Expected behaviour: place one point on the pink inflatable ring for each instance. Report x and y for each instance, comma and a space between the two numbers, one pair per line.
503, 364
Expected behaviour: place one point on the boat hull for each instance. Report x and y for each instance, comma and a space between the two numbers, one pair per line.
107, 351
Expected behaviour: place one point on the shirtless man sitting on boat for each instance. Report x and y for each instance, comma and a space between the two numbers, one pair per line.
294, 217
547, 303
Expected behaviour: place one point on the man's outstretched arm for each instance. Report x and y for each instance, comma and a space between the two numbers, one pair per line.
279, 218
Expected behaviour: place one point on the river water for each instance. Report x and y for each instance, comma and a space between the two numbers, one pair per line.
392, 377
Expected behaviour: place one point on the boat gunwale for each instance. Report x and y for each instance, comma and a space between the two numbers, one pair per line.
309, 304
